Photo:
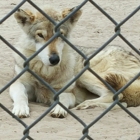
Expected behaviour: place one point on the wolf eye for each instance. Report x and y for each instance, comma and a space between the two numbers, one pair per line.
40, 35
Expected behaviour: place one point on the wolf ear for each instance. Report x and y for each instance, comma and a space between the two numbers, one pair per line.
74, 18
24, 18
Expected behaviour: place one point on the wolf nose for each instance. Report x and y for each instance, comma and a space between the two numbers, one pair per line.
54, 59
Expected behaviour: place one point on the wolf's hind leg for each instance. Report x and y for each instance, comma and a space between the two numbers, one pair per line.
103, 101
19, 96
102, 105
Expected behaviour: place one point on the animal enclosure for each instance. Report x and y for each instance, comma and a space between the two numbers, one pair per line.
87, 127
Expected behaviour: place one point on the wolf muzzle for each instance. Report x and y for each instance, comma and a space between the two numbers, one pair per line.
54, 59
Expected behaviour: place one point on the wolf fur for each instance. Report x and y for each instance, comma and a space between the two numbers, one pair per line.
58, 63
117, 66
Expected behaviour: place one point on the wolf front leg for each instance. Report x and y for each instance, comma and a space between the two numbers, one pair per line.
68, 100
19, 96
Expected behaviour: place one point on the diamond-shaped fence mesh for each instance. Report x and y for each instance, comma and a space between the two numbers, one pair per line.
86, 67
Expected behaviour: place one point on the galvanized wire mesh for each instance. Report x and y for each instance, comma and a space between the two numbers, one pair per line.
86, 67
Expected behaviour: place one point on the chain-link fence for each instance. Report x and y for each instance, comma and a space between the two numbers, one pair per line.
86, 67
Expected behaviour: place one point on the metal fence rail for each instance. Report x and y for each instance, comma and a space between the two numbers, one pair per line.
86, 67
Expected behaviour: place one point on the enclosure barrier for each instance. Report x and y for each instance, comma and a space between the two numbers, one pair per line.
86, 67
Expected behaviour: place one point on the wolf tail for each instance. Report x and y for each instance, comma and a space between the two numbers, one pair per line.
131, 95
117, 81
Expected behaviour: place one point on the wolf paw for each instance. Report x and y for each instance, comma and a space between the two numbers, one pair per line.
22, 111
58, 112
85, 105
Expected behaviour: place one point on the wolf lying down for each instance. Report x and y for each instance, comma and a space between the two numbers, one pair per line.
58, 63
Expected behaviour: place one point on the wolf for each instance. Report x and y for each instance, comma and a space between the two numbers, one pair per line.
57, 64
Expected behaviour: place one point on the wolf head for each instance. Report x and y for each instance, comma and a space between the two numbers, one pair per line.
39, 29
